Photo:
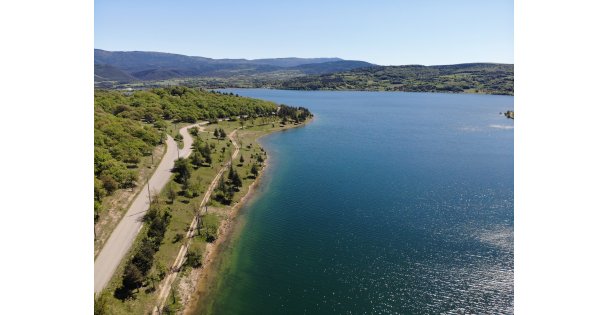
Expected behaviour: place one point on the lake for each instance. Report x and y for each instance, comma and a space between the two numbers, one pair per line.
387, 203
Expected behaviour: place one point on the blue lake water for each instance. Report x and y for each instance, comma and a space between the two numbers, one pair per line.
387, 203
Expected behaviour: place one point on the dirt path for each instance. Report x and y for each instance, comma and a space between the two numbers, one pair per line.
165, 286
122, 237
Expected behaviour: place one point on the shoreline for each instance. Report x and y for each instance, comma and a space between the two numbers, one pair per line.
205, 277
153, 85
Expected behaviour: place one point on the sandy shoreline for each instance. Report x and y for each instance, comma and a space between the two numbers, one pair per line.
204, 277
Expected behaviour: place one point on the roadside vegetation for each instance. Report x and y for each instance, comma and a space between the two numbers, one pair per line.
133, 288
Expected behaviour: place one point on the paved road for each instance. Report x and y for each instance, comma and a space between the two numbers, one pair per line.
125, 232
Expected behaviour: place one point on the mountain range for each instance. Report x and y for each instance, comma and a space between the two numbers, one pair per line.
130, 66
138, 68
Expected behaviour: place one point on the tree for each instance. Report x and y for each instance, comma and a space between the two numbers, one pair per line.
216, 133
236, 179
132, 277
153, 277
206, 153
222, 185
222, 133
242, 160
130, 180
197, 158
194, 259
109, 183
100, 191
171, 192
195, 187
144, 257
193, 131
162, 138
183, 170
224, 194
231, 173
254, 170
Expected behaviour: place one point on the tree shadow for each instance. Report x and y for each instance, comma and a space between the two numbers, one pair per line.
150, 290
123, 293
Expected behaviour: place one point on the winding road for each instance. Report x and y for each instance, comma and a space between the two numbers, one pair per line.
122, 237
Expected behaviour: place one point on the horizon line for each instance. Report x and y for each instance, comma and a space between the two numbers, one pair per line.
252, 59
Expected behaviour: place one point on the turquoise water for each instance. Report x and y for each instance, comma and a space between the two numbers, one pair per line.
388, 203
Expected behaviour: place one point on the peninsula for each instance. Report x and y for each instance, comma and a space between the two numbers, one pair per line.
172, 166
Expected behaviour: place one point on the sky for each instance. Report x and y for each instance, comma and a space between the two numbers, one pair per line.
432, 32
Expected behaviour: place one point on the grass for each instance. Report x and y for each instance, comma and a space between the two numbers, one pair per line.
183, 210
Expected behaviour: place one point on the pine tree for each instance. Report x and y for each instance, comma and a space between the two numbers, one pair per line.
236, 180
171, 193
254, 170
222, 185
197, 158
132, 277
183, 170
231, 173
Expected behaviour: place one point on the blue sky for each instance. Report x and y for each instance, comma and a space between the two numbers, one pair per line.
379, 31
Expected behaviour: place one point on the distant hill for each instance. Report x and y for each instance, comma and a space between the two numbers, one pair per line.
291, 61
161, 66
487, 78
110, 73
332, 66
113, 68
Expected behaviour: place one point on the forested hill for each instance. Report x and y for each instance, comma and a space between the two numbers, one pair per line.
130, 66
486, 78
